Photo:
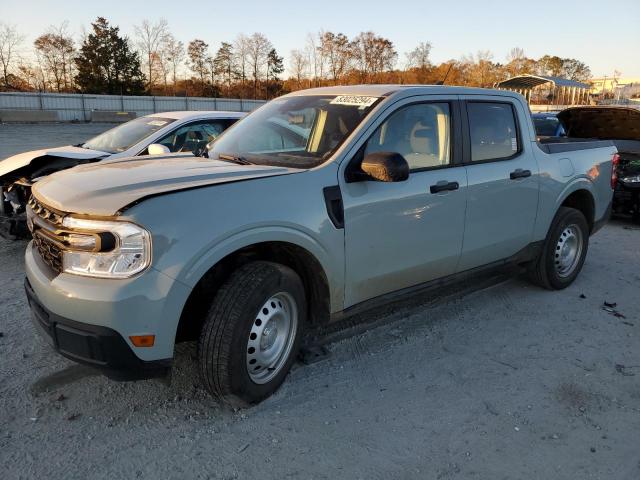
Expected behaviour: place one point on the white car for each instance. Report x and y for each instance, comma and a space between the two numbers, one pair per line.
159, 133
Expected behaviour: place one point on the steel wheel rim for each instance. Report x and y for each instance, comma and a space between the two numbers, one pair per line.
271, 337
568, 251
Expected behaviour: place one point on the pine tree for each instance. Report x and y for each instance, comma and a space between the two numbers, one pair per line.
275, 66
107, 64
225, 64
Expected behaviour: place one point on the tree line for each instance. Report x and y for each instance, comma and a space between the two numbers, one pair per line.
154, 62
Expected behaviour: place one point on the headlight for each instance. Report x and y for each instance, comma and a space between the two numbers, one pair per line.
631, 179
106, 249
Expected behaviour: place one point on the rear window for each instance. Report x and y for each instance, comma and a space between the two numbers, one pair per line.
492, 127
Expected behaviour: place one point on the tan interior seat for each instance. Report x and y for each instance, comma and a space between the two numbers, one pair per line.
424, 148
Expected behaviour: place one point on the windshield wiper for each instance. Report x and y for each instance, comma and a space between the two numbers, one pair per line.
234, 158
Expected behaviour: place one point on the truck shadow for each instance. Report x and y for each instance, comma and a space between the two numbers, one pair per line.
70, 374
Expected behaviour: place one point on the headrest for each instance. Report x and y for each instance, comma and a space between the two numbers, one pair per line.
422, 139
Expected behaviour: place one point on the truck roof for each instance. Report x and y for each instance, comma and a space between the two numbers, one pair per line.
387, 90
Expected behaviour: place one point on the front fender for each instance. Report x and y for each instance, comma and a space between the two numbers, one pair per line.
201, 263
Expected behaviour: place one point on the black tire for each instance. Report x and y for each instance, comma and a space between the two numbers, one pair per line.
546, 270
223, 346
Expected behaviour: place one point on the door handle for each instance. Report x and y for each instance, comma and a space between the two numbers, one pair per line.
444, 186
519, 173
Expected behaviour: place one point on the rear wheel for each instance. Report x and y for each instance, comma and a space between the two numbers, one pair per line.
564, 251
252, 333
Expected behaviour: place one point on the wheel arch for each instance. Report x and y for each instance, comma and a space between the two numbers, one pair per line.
582, 199
299, 258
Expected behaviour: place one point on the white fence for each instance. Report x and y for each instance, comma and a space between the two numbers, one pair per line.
78, 107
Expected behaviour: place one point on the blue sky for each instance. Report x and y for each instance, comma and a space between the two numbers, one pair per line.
605, 35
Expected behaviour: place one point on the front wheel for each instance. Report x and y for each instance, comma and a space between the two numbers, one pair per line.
252, 333
564, 251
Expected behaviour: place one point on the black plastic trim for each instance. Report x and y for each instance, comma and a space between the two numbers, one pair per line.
522, 257
93, 345
437, 188
519, 173
335, 208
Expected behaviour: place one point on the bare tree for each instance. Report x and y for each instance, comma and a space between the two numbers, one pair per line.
259, 47
298, 64
173, 51
338, 51
516, 61
241, 47
10, 42
149, 39
479, 70
55, 50
374, 55
315, 57
419, 56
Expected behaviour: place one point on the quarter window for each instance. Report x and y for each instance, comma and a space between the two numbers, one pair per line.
492, 127
421, 133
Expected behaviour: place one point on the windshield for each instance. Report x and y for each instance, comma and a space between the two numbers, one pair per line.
124, 136
547, 126
296, 132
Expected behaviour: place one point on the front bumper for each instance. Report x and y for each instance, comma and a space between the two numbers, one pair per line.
105, 313
98, 346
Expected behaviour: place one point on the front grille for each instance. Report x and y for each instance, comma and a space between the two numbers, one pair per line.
50, 253
47, 222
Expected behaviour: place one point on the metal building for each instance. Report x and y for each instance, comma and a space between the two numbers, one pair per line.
547, 90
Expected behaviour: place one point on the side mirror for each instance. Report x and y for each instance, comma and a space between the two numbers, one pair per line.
158, 149
385, 167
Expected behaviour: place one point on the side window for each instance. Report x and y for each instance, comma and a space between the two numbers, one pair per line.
189, 138
492, 127
421, 133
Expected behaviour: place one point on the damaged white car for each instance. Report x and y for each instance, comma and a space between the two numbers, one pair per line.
159, 133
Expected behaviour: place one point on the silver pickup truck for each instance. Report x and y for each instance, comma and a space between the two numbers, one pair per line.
320, 204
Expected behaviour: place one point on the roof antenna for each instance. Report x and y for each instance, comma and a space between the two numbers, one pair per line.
441, 82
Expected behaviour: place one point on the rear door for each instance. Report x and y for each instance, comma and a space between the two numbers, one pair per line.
502, 175
401, 234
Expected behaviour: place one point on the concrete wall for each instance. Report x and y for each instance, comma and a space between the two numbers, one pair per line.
80, 107
28, 116
111, 117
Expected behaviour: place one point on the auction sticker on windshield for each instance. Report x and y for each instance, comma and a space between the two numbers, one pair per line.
157, 123
361, 101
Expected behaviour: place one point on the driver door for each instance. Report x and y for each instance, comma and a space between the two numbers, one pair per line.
398, 235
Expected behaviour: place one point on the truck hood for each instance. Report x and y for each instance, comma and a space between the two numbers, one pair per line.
15, 162
602, 122
105, 188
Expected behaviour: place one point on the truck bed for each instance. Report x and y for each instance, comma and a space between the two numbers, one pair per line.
570, 144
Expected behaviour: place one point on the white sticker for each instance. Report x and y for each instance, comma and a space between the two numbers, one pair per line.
361, 101
514, 144
157, 123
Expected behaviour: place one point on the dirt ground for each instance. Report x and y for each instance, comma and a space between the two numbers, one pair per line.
501, 381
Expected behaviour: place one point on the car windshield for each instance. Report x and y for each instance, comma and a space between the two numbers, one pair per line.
296, 132
125, 136
547, 126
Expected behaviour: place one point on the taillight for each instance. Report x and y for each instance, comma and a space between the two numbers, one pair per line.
614, 170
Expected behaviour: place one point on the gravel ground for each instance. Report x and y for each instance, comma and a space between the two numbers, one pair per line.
501, 381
